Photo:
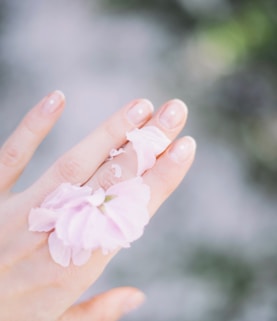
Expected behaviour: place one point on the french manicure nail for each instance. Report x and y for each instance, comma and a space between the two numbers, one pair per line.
133, 302
53, 102
140, 112
182, 150
173, 114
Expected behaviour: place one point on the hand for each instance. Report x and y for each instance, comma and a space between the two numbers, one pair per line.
32, 286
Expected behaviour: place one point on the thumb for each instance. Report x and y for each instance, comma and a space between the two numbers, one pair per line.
108, 306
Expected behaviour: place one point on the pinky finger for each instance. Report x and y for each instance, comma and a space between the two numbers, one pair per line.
20, 146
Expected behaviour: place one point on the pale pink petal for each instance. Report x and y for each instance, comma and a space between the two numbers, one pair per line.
156, 137
128, 210
94, 230
76, 226
97, 198
148, 142
42, 220
100, 231
62, 226
60, 253
64, 194
117, 170
112, 239
133, 189
115, 152
84, 221
145, 157
80, 256
130, 219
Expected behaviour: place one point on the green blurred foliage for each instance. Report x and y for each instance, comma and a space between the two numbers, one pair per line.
233, 275
243, 35
240, 28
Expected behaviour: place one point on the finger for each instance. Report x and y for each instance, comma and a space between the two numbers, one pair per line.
170, 119
108, 306
20, 146
169, 171
79, 164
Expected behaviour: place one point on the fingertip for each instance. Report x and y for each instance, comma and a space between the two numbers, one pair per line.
180, 102
172, 116
139, 111
60, 93
182, 150
53, 103
134, 300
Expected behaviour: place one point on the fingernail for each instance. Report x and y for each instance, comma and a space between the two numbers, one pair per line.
53, 102
140, 112
173, 114
182, 150
133, 302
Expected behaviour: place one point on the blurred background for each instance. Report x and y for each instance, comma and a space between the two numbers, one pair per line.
210, 254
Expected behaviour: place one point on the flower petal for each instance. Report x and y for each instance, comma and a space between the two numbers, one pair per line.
84, 221
115, 152
148, 142
62, 226
80, 256
42, 220
60, 253
112, 239
94, 230
129, 218
97, 198
132, 189
76, 226
117, 170
64, 194
128, 210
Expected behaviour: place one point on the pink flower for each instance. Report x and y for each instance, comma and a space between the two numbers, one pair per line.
148, 142
81, 221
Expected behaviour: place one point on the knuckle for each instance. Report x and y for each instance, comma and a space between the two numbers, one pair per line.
10, 155
69, 169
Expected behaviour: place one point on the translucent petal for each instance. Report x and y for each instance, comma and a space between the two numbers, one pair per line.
128, 210
148, 142
80, 256
42, 220
62, 226
60, 253
115, 152
64, 194
97, 198
94, 230
76, 226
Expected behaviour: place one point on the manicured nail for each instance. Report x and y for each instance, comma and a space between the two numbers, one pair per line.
133, 302
173, 114
53, 102
182, 150
140, 112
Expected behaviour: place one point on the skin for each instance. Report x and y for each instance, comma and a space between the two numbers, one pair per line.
32, 286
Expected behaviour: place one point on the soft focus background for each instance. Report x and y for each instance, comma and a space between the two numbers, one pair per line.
210, 254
